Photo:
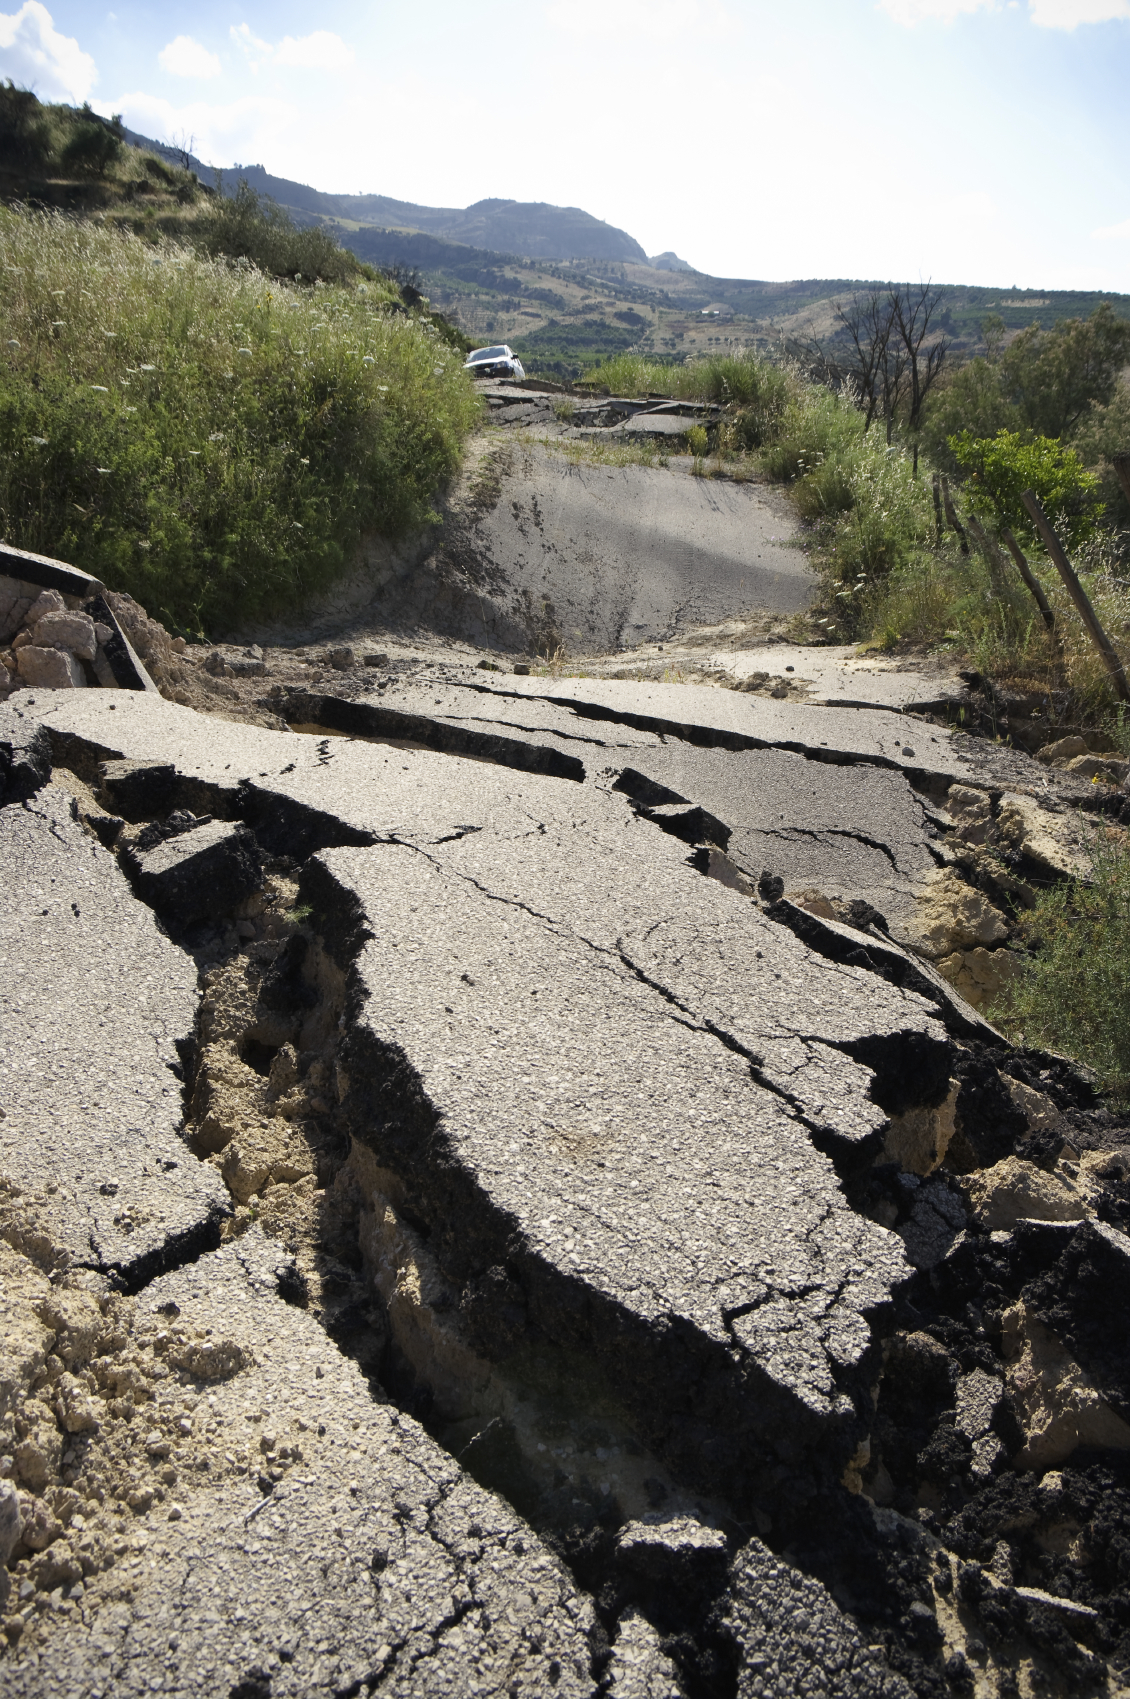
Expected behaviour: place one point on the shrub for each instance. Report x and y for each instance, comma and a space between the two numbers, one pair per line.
93, 145
198, 435
972, 400
248, 226
1073, 990
1054, 376
1001, 468
25, 135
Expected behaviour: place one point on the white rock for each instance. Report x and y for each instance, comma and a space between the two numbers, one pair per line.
47, 602
51, 669
74, 632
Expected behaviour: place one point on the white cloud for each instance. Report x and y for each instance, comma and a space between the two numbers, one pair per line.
1114, 232
322, 50
643, 20
1066, 14
35, 55
911, 12
184, 57
252, 128
1045, 14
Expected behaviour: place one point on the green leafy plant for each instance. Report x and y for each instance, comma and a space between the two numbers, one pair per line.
1001, 468
698, 442
93, 145
248, 226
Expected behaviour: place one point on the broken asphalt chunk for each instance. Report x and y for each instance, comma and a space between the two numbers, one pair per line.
198, 874
94, 1002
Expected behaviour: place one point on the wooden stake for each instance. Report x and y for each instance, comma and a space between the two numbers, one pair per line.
951, 515
1078, 595
1029, 578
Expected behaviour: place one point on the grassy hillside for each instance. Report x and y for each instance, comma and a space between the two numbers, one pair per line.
200, 434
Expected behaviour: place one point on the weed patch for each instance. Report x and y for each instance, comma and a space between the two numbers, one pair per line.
1073, 990
198, 434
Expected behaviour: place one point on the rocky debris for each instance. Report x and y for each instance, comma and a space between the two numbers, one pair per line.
1054, 1400
979, 974
1050, 843
258, 1523
953, 915
1075, 755
51, 668
221, 663
1015, 1190
58, 631
104, 1139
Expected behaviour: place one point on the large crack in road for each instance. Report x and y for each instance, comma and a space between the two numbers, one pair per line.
673, 1225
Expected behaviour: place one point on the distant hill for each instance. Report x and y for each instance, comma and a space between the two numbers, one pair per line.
566, 290
533, 229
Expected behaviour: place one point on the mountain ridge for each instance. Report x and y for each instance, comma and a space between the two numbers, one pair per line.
534, 229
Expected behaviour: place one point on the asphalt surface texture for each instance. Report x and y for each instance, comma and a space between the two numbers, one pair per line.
87, 973
625, 1130
537, 552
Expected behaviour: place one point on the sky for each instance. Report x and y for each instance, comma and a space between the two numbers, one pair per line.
967, 141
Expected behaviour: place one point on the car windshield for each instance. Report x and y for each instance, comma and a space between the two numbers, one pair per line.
490, 354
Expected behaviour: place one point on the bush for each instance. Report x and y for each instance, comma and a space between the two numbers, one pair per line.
25, 135
93, 145
973, 400
200, 436
1054, 376
1073, 991
248, 226
1003, 467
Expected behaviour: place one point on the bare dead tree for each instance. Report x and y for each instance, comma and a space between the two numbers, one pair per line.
913, 308
183, 145
867, 320
887, 351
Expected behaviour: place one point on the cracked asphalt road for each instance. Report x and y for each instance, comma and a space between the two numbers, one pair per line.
613, 1121
737, 1042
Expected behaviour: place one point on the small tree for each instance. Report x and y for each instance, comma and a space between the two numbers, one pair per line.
1053, 376
25, 138
94, 144
1002, 467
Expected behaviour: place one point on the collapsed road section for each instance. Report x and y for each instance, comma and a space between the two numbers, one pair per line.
755, 1300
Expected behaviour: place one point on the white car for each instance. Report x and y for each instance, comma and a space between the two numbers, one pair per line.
498, 362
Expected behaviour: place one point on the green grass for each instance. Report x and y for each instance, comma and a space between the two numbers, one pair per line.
1074, 987
196, 433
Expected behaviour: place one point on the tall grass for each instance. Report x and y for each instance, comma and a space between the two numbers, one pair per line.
939, 596
200, 435
1073, 990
